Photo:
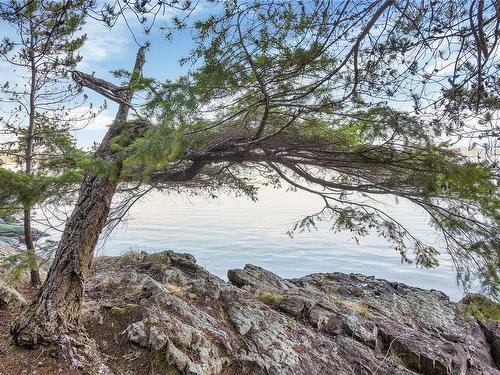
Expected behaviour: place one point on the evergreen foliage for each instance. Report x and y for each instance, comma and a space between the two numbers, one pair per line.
349, 101
41, 105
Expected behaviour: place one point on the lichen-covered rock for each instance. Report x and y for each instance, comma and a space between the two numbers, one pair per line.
187, 321
257, 278
7, 249
10, 298
492, 332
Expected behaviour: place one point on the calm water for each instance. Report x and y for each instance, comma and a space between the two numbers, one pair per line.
229, 232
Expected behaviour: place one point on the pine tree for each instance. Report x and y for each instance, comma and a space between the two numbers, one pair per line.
306, 93
39, 104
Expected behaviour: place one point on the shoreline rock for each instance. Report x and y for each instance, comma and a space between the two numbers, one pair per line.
12, 232
164, 313
7, 249
10, 298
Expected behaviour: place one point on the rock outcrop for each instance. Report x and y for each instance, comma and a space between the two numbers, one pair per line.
12, 233
7, 250
10, 298
164, 314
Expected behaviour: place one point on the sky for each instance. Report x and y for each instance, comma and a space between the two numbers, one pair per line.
108, 49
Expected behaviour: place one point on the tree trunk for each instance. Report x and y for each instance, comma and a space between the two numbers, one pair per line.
56, 310
28, 233
30, 249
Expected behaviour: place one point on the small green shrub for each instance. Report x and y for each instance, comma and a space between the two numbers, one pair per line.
118, 311
121, 310
270, 298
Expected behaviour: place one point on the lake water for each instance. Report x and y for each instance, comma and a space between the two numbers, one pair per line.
229, 232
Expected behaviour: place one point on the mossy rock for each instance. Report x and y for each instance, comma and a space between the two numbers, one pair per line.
11, 229
160, 257
360, 308
134, 257
480, 307
129, 257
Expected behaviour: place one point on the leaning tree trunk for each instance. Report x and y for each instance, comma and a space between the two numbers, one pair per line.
56, 310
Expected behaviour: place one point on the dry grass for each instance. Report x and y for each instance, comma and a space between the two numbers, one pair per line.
359, 307
175, 289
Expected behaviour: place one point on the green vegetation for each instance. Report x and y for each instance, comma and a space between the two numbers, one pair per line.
332, 98
39, 107
129, 257
20, 189
394, 357
160, 257
122, 310
118, 311
341, 128
270, 298
480, 308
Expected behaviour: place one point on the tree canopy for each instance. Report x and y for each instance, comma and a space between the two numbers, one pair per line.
345, 100
40, 105
349, 101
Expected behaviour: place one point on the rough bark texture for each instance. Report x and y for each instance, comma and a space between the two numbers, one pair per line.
58, 304
56, 311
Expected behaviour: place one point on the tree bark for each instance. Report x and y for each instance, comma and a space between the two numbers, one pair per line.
28, 233
56, 310
30, 250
